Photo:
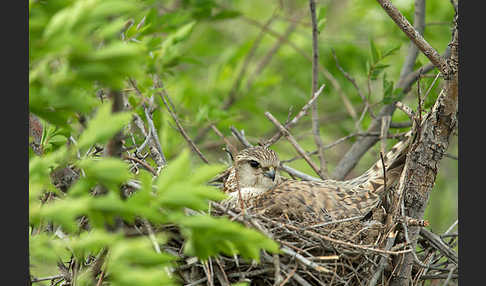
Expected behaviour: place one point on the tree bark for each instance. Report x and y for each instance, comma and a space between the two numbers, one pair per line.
424, 158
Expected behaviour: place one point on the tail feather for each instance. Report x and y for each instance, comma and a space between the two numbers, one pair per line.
394, 160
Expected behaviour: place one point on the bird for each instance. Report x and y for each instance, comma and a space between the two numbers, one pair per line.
254, 182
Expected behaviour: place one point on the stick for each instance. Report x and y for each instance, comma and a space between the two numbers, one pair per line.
163, 95
347, 103
416, 38
293, 142
315, 114
299, 115
141, 162
304, 260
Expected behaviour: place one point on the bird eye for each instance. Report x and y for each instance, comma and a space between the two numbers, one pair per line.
254, 164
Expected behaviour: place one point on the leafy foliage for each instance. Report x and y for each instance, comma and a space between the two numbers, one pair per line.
82, 50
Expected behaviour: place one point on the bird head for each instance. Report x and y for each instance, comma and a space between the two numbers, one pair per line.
257, 168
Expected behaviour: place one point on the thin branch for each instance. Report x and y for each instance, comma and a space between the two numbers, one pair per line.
299, 174
163, 95
157, 152
385, 126
293, 142
240, 136
232, 148
269, 55
347, 103
141, 162
35, 280
416, 37
315, 79
405, 82
437, 242
294, 121
237, 83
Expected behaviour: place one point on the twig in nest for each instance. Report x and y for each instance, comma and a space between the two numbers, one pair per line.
305, 261
337, 241
289, 276
381, 265
333, 222
276, 264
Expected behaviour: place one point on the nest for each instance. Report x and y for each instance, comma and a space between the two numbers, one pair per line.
353, 251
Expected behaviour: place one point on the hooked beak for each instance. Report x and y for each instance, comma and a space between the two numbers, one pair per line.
270, 174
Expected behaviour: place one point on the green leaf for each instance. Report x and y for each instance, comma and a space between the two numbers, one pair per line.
376, 70
180, 35
389, 93
207, 236
93, 241
375, 53
107, 171
63, 212
387, 90
391, 51
138, 252
103, 126
175, 171
226, 14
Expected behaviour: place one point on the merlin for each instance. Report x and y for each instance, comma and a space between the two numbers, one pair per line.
253, 181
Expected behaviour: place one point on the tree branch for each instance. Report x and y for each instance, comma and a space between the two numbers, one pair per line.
315, 79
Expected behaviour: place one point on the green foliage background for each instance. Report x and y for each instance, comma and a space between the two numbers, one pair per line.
198, 48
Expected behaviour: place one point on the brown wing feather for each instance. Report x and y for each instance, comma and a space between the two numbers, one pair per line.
316, 200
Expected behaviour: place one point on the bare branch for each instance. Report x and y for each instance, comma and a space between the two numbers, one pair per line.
347, 103
416, 37
294, 121
163, 95
405, 82
315, 75
293, 142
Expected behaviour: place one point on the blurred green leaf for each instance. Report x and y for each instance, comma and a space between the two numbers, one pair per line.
374, 52
103, 126
207, 236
